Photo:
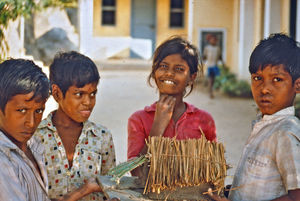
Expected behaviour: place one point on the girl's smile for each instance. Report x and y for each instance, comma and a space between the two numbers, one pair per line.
173, 75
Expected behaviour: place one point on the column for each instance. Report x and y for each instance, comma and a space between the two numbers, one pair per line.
267, 19
85, 24
241, 38
298, 21
190, 20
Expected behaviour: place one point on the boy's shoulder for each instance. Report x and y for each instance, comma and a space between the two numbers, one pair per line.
287, 127
96, 128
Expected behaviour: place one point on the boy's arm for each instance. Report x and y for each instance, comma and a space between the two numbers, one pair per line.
88, 187
293, 195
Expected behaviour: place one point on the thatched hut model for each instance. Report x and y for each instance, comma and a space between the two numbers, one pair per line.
181, 169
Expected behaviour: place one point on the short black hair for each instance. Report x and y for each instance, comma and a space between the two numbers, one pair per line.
177, 45
20, 76
72, 68
277, 49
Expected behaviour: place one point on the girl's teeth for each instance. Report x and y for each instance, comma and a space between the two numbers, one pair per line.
169, 82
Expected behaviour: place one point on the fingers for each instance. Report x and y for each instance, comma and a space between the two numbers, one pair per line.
167, 100
215, 197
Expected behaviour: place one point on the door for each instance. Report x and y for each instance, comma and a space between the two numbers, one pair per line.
143, 26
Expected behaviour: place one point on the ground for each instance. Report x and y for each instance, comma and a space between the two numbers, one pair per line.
121, 93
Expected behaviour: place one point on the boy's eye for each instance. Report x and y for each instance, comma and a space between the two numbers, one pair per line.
78, 94
93, 94
39, 111
277, 79
22, 110
256, 78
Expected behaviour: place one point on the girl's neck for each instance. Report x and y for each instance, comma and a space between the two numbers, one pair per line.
61, 119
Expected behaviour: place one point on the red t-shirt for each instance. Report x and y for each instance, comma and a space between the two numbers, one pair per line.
187, 127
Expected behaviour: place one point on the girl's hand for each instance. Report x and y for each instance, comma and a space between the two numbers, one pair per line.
163, 114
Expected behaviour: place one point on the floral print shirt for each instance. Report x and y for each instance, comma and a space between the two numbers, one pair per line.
94, 155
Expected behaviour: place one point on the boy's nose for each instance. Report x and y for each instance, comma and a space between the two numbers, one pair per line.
30, 121
86, 100
266, 87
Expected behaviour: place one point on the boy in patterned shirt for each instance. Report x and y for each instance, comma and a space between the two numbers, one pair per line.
24, 89
269, 168
76, 148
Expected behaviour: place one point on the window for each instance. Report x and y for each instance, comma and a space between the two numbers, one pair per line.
177, 13
108, 12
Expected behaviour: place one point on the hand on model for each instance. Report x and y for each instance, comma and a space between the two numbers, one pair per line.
216, 197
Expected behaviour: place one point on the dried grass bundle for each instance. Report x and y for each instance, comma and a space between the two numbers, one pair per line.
180, 163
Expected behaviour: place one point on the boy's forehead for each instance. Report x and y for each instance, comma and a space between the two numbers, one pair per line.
31, 96
273, 68
75, 86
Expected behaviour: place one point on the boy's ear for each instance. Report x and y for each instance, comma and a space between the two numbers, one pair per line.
297, 85
56, 92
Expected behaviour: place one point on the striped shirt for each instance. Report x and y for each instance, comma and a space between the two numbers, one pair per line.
270, 164
20, 181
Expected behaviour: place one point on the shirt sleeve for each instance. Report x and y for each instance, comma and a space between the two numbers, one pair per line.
288, 159
208, 126
10, 186
108, 154
136, 136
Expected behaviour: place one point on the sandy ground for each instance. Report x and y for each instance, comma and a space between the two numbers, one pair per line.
123, 92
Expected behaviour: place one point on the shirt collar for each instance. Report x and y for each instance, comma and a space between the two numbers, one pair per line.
189, 108
289, 111
87, 125
6, 145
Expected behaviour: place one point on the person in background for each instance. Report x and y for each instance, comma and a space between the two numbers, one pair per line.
211, 55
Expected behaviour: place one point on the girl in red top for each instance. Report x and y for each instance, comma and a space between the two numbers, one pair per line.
174, 69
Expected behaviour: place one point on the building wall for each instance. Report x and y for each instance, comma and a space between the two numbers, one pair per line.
122, 27
163, 31
285, 16
216, 14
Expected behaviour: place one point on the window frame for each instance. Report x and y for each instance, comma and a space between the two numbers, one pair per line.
109, 8
177, 10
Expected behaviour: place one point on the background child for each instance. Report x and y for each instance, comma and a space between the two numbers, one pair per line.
76, 149
211, 55
269, 168
174, 69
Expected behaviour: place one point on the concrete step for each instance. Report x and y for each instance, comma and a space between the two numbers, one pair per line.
124, 64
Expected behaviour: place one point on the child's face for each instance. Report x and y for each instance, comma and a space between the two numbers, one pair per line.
272, 89
173, 75
78, 103
21, 117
